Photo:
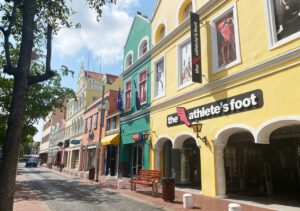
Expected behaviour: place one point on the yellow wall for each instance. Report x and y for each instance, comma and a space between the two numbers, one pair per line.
279, 83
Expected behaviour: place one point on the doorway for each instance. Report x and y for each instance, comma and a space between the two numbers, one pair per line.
137, 159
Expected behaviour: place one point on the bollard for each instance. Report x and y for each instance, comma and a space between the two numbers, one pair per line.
107, 181
121, 184
187, 200
234, 207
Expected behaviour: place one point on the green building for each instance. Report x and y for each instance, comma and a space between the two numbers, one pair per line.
135, 145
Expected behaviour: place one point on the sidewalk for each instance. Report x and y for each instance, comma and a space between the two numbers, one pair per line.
25, 202
144, 194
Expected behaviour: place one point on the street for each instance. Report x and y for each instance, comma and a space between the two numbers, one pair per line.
51, 191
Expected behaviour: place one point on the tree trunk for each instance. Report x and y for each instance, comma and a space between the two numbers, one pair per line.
17, 110
12, 144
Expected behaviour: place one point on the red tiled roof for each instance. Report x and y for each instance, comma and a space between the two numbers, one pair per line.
94, 75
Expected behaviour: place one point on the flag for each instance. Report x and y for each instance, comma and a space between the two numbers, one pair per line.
120, 101
181, 113
137, 98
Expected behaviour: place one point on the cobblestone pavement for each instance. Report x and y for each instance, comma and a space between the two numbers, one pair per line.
42, 189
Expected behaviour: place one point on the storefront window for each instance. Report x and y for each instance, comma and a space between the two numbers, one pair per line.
159, 85
142, 86
185, 64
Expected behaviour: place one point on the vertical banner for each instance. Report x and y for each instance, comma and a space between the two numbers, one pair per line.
196, 48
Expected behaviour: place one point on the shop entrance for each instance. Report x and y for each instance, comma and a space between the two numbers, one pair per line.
167, 159
111, 153
137, 159
264, 169
186, 164
91, 158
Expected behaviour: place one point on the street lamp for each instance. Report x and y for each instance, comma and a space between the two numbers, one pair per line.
197, 127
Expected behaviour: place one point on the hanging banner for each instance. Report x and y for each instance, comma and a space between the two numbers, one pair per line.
196, 48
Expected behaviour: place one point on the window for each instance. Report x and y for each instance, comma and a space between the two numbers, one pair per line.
183, 11
86, 126
143, 47
95, 121
159, 76
160, 32
107, 124
128, 96
186, 11
129, 59
185, 64
225, 40
114, 122
142, 87
283, 20
90, 123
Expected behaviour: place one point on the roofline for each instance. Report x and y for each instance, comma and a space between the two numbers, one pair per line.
145, 19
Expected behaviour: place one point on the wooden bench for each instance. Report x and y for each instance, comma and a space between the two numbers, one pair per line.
146, 177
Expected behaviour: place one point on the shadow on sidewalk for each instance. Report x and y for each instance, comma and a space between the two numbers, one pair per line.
62, 190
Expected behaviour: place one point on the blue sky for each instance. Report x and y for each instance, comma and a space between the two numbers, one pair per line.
95, 40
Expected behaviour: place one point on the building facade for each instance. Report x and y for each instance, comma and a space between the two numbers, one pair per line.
247, 102
135, 146
89, 88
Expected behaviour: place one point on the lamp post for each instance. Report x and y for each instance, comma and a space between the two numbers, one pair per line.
197, 127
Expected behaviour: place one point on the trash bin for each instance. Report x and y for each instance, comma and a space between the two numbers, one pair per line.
92, 173
168, 188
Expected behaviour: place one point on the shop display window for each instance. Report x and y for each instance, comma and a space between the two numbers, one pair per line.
225, 42
283, 20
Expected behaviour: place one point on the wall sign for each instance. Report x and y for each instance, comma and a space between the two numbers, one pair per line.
75, 142
196, 48
138, 137
236, 104
60, 144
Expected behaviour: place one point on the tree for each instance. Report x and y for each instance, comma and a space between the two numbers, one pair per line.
27, 27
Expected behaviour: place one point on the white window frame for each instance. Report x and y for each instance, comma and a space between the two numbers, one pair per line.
215, 62
143, 71
126, 57
155, 85
179, 47
124, 100
140, 51
271, 26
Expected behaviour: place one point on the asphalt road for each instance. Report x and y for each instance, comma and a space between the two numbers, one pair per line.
61, 193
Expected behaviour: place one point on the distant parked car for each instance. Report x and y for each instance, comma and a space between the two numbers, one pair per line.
31, 162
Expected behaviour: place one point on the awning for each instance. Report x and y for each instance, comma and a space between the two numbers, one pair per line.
112, 139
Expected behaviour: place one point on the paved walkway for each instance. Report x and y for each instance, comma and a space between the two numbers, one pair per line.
144, 195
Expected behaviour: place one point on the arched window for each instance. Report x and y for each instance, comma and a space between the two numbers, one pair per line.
183, 11
129, 59
143, 46
160, 33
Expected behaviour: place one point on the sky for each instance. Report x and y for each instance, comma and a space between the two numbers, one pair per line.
98, 46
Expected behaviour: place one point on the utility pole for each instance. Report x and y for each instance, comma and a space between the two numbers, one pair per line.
100, 135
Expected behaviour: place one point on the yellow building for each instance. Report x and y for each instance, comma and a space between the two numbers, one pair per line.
248, 101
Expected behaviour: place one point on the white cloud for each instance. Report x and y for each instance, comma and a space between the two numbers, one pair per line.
105, 38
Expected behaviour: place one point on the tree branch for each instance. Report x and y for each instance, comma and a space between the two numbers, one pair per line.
9, 68
49, 73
